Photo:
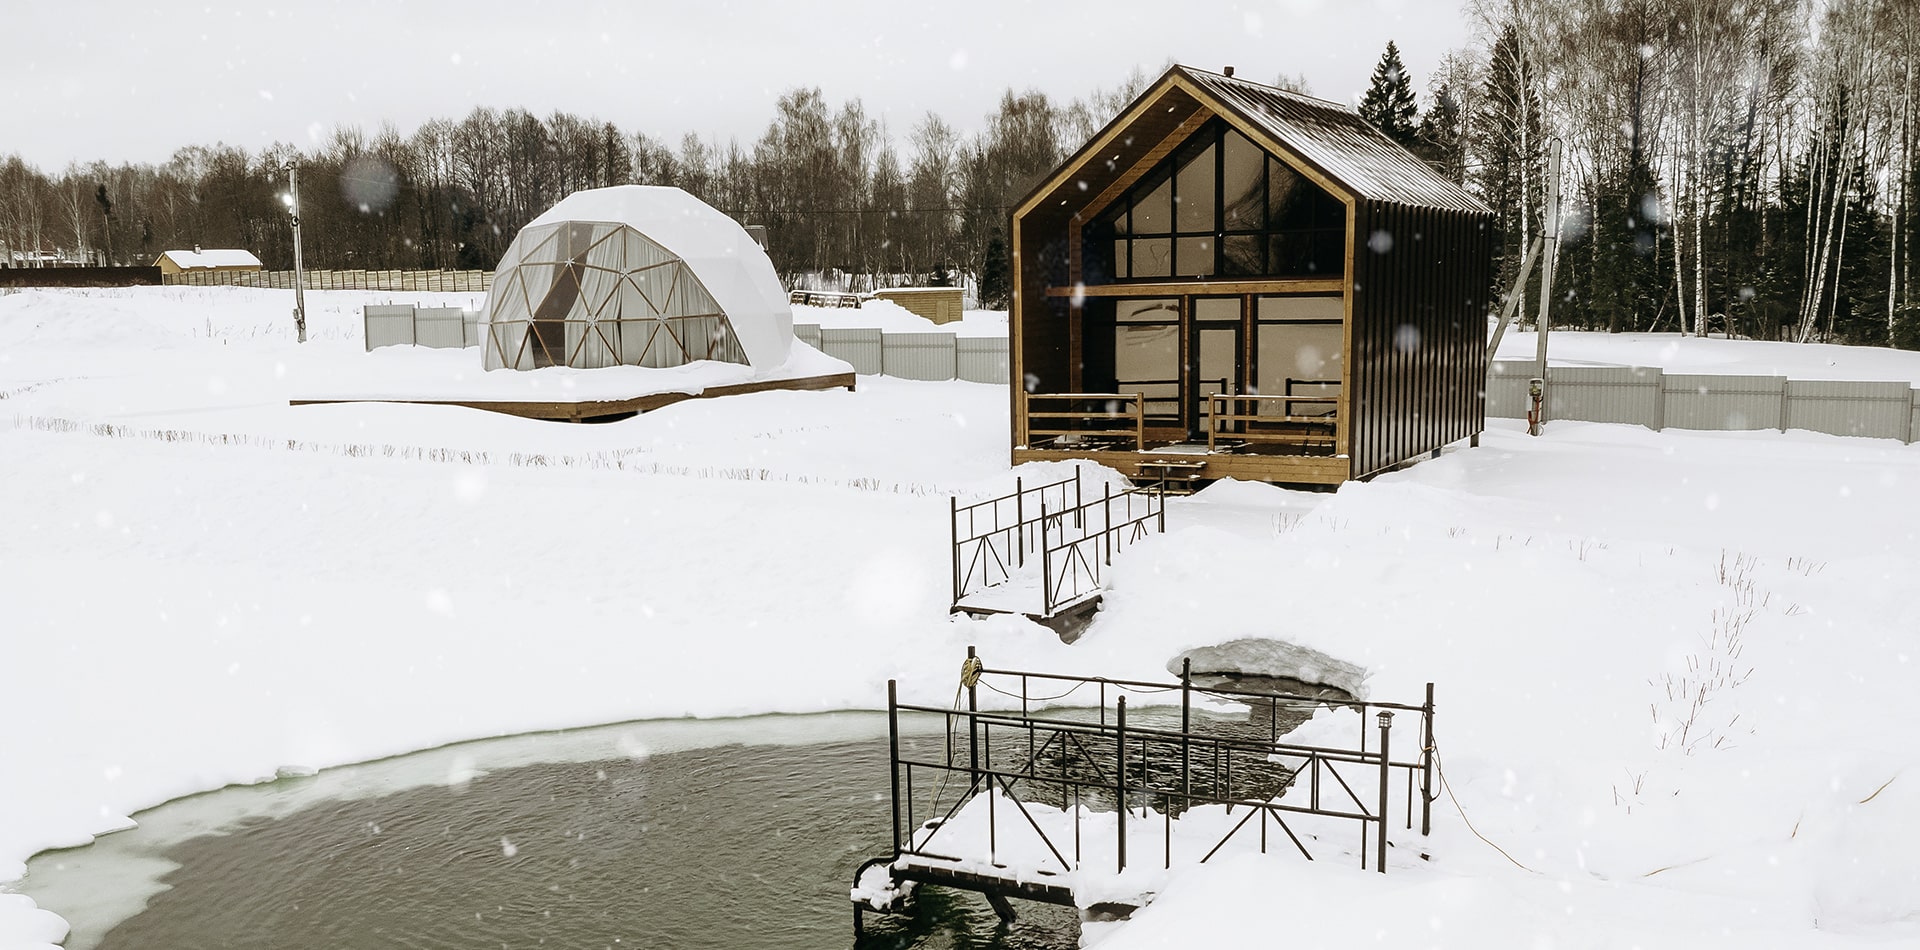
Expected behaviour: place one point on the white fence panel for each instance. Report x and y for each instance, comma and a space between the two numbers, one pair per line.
863, 348
1625, 394
1507, 389
925, 356
983, 359
388, 325
1871, 409
1725, 403
440, 327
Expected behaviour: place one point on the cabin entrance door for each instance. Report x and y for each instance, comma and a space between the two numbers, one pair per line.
1214, 366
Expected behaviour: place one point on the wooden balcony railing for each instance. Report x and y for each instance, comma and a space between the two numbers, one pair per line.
1305, 422
1085, 421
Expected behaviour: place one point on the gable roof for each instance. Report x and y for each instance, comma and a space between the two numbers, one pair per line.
189, 260
1332, 140
1338, 141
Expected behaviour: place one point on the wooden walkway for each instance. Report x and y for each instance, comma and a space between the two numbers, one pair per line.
600, 410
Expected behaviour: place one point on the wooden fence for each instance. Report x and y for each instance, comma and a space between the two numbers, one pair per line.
454, 281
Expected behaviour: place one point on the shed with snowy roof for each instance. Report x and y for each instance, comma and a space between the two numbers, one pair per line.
1233, 280
217, 261
635, 275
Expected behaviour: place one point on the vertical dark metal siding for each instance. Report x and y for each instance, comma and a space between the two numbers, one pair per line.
1419, 388
1044, 340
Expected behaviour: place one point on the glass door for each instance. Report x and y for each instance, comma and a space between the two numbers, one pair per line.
1214, 367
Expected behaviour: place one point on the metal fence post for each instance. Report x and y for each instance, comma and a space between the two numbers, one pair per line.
1046, 562
1019, 522
893, 764
1386, 726
1106, 518
1186, 735
1120, 776
973, 721
1426, 764
953, 530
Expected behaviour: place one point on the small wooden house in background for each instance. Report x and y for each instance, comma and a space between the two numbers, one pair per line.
203, 262
1231, 280
937, 304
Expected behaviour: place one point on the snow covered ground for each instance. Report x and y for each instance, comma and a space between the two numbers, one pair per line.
1687, 354
1676, 671
893, 318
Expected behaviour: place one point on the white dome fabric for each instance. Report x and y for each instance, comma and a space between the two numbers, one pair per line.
635, 275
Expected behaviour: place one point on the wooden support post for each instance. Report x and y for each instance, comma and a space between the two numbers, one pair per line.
1001, 906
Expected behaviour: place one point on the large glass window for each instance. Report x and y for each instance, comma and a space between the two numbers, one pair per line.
1297, 346
1219, 206
1146, 355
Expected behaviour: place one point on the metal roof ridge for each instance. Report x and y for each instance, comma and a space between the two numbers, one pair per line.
1265, 87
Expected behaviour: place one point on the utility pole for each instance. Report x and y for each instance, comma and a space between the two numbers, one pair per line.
299, 266
1550, 243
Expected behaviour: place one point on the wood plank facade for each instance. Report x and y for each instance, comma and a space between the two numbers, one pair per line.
1234, 281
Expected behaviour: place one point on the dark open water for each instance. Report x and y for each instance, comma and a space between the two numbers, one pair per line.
736, 834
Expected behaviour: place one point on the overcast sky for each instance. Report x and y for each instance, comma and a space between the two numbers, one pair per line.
84, 80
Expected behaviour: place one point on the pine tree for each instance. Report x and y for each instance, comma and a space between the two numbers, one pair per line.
1443, 136
996, 273
1389, 101
1506, 136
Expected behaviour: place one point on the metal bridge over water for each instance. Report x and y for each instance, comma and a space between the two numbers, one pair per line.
1042, 550
1029, 799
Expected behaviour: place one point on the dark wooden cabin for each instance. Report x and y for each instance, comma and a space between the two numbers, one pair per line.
1231, 280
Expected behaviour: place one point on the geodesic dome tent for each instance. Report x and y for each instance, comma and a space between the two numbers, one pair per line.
635, 275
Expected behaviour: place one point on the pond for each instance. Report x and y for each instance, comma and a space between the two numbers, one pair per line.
736, 833
685, 834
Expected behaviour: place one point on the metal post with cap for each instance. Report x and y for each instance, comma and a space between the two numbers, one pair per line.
1385, 719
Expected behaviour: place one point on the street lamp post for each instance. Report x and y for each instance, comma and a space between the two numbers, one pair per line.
299, 266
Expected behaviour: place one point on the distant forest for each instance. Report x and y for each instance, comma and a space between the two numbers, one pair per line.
1741, 166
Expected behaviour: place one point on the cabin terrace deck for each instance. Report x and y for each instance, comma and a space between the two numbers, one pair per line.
1178, 463
591, 409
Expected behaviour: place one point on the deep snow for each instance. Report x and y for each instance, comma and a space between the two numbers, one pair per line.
200, 585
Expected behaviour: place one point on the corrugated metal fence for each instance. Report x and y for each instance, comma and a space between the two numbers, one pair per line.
928, 356
1646, 396
402, 324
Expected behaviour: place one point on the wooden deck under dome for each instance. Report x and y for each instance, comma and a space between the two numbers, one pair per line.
602, 410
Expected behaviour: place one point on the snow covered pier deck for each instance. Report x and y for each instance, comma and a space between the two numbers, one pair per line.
1093, 806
